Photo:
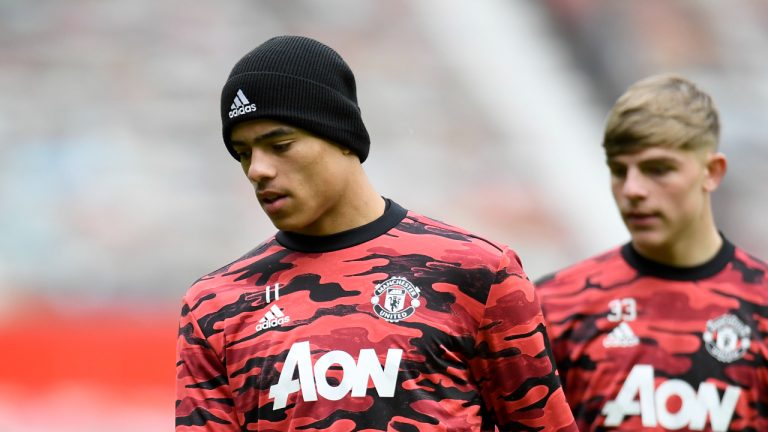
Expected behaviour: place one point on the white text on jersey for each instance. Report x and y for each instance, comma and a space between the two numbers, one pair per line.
273, 318
275, 293
652, 403
355, 376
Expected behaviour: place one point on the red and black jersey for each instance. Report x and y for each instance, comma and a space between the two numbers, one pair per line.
644, 346
403, 324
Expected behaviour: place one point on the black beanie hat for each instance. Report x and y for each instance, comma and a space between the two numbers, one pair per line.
300, 82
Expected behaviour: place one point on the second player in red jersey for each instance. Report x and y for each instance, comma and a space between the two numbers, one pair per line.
669, 331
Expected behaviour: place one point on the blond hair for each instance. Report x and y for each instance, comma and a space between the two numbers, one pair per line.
662, 111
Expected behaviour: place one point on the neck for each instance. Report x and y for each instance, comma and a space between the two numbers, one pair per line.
359, 204
365, 206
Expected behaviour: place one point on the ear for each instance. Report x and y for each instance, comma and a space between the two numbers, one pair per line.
717, 165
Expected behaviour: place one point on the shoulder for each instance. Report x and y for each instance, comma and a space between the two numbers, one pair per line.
225, 279
425, 225
597, 266
747, 257
752, 268
460, 242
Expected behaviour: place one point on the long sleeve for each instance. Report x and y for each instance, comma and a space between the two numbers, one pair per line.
513, 362
203, 398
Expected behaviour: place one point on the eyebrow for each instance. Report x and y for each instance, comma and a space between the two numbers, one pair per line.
654, 159
274, 133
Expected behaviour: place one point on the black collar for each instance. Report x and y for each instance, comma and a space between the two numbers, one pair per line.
392, 216
647, 267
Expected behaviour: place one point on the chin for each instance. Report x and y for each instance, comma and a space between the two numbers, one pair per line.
648, 239
295, 227
282, 224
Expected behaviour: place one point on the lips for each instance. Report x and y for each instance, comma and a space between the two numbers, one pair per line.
269, 196
640, 218
271, 201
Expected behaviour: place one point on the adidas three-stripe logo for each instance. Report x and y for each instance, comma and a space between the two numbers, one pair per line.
273, 318
272, 313
240, 100
621, 336
240, 105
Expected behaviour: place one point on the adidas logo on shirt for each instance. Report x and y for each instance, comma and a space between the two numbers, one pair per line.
241, 105
621, 337
273, 318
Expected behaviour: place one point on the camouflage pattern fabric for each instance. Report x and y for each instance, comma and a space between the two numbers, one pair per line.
643, 346
408, 324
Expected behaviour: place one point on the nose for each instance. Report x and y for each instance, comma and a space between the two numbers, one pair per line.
260, 167
634, 187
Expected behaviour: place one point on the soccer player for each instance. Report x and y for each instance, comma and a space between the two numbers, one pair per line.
357, 314
668, 331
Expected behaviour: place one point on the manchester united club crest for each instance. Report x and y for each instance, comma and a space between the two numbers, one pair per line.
727, 338
395, 299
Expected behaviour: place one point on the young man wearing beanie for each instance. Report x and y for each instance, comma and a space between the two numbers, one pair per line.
357, 314
669, 331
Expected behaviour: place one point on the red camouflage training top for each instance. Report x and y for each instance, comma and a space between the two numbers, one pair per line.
403, 324
644, 346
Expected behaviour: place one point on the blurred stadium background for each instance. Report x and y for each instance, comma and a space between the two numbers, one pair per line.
116, 192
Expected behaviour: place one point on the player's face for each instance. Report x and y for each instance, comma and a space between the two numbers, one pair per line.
662, 194
300, 180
